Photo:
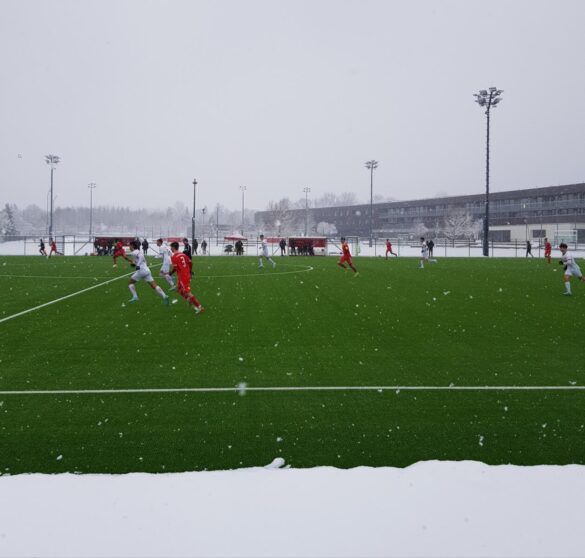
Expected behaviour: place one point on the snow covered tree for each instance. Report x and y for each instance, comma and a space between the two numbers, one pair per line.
7, 221
458, 224
326, 229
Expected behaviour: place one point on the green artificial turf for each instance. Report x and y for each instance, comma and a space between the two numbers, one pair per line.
461, 322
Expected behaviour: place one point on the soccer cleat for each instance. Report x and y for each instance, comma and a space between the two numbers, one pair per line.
567, 294
356, 273
115, 265
199, 309
166, 301
173, 288
273, 265
133, 299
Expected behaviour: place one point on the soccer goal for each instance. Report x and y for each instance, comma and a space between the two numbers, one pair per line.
567, 236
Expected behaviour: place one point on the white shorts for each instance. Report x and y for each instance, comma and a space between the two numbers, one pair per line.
143, 274
573, 270
265, 253
165, 268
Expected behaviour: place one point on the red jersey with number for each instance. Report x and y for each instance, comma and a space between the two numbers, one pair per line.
547, 248
182, 265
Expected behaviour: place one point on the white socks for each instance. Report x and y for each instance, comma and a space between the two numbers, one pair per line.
568, 287
160, 292
132, 288
169, 280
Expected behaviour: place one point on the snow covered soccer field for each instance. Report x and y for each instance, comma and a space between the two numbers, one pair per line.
469, 359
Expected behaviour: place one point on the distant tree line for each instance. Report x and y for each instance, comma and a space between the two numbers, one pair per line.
175, 220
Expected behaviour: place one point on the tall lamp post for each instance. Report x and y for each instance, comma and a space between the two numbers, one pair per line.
306, 190
52, 161
371, 166
488, 100
91, 187
194, 207
243, 189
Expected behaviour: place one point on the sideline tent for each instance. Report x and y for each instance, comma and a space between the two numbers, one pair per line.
228, 242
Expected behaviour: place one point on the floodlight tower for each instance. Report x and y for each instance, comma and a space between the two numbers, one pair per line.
91, 187
306, 190
52, 161
488, 100
194, 208
243, 189
371, 166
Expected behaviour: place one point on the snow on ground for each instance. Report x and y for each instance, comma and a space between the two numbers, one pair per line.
429, 509
20, 248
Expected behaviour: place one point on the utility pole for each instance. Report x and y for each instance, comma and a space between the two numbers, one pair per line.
52, 161
194, 208
488, 99
371, 166
306, 190
243, 189
91, 187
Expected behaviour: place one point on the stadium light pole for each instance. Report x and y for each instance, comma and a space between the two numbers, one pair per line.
91, 187
243, 189
194, 207
371, 166
52, 161
306, 190
487, 99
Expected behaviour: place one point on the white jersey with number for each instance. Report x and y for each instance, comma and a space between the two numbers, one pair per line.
142, 271
265, 247
571, 266
165, 253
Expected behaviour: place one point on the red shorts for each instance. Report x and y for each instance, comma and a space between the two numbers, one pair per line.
547, 253
184, 284
345, 259
119, 253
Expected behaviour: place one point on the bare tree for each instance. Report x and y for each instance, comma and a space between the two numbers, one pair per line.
326, 229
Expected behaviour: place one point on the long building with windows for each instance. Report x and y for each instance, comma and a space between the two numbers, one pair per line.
553, 211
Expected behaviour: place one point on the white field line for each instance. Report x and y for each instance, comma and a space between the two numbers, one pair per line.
63, 298
308, 268
244, 389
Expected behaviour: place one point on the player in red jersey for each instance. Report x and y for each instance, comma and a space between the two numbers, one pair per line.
182, 266
547, 250
346, 257
53, 248
389, 248
120, 253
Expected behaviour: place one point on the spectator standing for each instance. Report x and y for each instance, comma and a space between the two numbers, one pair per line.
195, 246
145, 246
529, 249
204, 247
282, 245
431, 245
187, 248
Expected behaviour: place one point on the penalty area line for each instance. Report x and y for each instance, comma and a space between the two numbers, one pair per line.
244, 389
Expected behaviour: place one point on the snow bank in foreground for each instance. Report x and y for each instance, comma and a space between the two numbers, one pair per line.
428, 509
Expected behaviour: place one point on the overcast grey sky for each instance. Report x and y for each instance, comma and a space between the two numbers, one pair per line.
142, 96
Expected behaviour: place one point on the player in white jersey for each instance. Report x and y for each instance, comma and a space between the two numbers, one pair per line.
142, 273
571, 268
264, 253
164, 252
424, 253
